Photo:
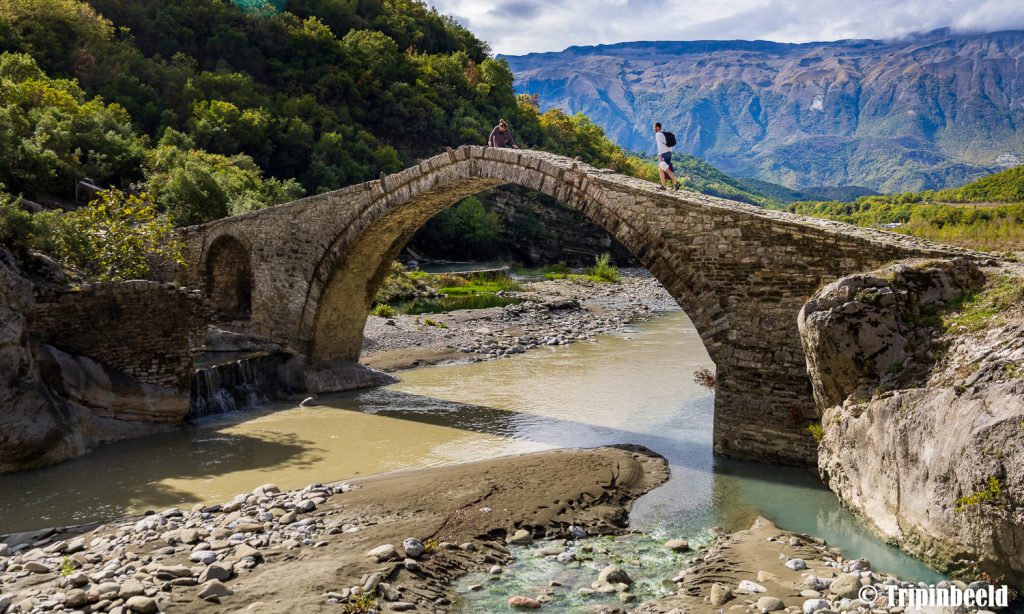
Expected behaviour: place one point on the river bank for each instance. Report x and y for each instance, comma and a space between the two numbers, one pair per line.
767, 569
393, 542
553, 312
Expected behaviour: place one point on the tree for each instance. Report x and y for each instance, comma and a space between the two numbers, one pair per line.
116, 236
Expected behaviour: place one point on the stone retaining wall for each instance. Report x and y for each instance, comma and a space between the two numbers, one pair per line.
149, 330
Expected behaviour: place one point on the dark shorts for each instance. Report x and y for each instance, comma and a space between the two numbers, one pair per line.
667, 157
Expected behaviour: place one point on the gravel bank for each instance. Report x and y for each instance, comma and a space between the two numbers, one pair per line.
556, 312
396, 541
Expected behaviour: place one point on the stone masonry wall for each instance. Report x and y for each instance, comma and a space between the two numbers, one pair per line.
149, 330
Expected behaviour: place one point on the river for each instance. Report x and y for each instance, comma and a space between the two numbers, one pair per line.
632, 388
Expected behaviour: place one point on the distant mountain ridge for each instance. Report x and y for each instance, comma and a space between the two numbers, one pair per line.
926, 111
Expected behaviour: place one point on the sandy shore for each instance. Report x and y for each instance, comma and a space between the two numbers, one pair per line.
398, 539
556, 312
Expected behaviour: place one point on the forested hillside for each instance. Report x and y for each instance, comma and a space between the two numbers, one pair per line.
984, 214
213, 108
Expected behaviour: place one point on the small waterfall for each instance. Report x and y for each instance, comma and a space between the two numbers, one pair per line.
242, 383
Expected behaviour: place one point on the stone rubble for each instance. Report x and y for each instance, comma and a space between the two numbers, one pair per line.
102, 572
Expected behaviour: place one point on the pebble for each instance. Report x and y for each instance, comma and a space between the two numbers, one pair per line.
770, 604
796, 564
215, 589
413, 547
613, 574
382, 553
677, 545
813, 605
720, 594
203, 556
520, 537
519, 601
142, 605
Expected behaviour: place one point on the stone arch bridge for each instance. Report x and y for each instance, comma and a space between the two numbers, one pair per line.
305, 272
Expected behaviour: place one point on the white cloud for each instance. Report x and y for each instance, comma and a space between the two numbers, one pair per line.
523, 26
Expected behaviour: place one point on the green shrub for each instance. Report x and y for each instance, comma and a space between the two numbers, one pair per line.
383, 310
816, 430
116, 236
604, 270
992, 493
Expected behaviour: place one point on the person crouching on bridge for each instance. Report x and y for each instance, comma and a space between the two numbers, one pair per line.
665, 142
501, 136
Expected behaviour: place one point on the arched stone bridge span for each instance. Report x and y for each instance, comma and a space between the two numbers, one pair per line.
307, 271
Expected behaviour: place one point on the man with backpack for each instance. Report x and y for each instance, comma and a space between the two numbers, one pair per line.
665, 142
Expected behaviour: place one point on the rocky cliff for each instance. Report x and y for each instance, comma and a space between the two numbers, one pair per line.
927, 111
918, 370
55, 405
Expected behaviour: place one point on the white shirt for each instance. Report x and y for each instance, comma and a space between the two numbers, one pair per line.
659, 139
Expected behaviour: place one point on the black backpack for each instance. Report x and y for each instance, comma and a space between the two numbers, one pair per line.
670, 139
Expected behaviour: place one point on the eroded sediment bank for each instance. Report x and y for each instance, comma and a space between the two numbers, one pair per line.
398, 539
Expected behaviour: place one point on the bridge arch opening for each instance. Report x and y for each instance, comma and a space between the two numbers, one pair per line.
229, 279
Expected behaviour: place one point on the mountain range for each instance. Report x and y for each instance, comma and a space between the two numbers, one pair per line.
926, 111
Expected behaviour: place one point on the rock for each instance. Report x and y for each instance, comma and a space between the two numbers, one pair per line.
720, 594
401, 606
520, 537
677, 545
748, 587
845, 586
413, 547
37, 567
382, 553
495, 570
172, 571
885, 398
216, 571
305, 506
577, 532
245, 551
75, 598
813, 605
142, 604
411, 565
203, 556
266, 489
215, 589
288, 517
770, 604
766, 576
796, 564
613, 574
626, 597
130, 588
520, 601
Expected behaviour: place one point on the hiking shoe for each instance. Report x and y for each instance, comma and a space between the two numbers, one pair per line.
675, 186
661, 187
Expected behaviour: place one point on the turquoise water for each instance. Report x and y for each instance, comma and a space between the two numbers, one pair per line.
637, 388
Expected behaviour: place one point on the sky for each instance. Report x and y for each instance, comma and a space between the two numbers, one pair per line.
524, 26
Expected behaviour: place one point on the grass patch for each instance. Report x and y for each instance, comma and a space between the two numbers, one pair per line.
604, 270
992, 493
816, 430
976, 311
457, 285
